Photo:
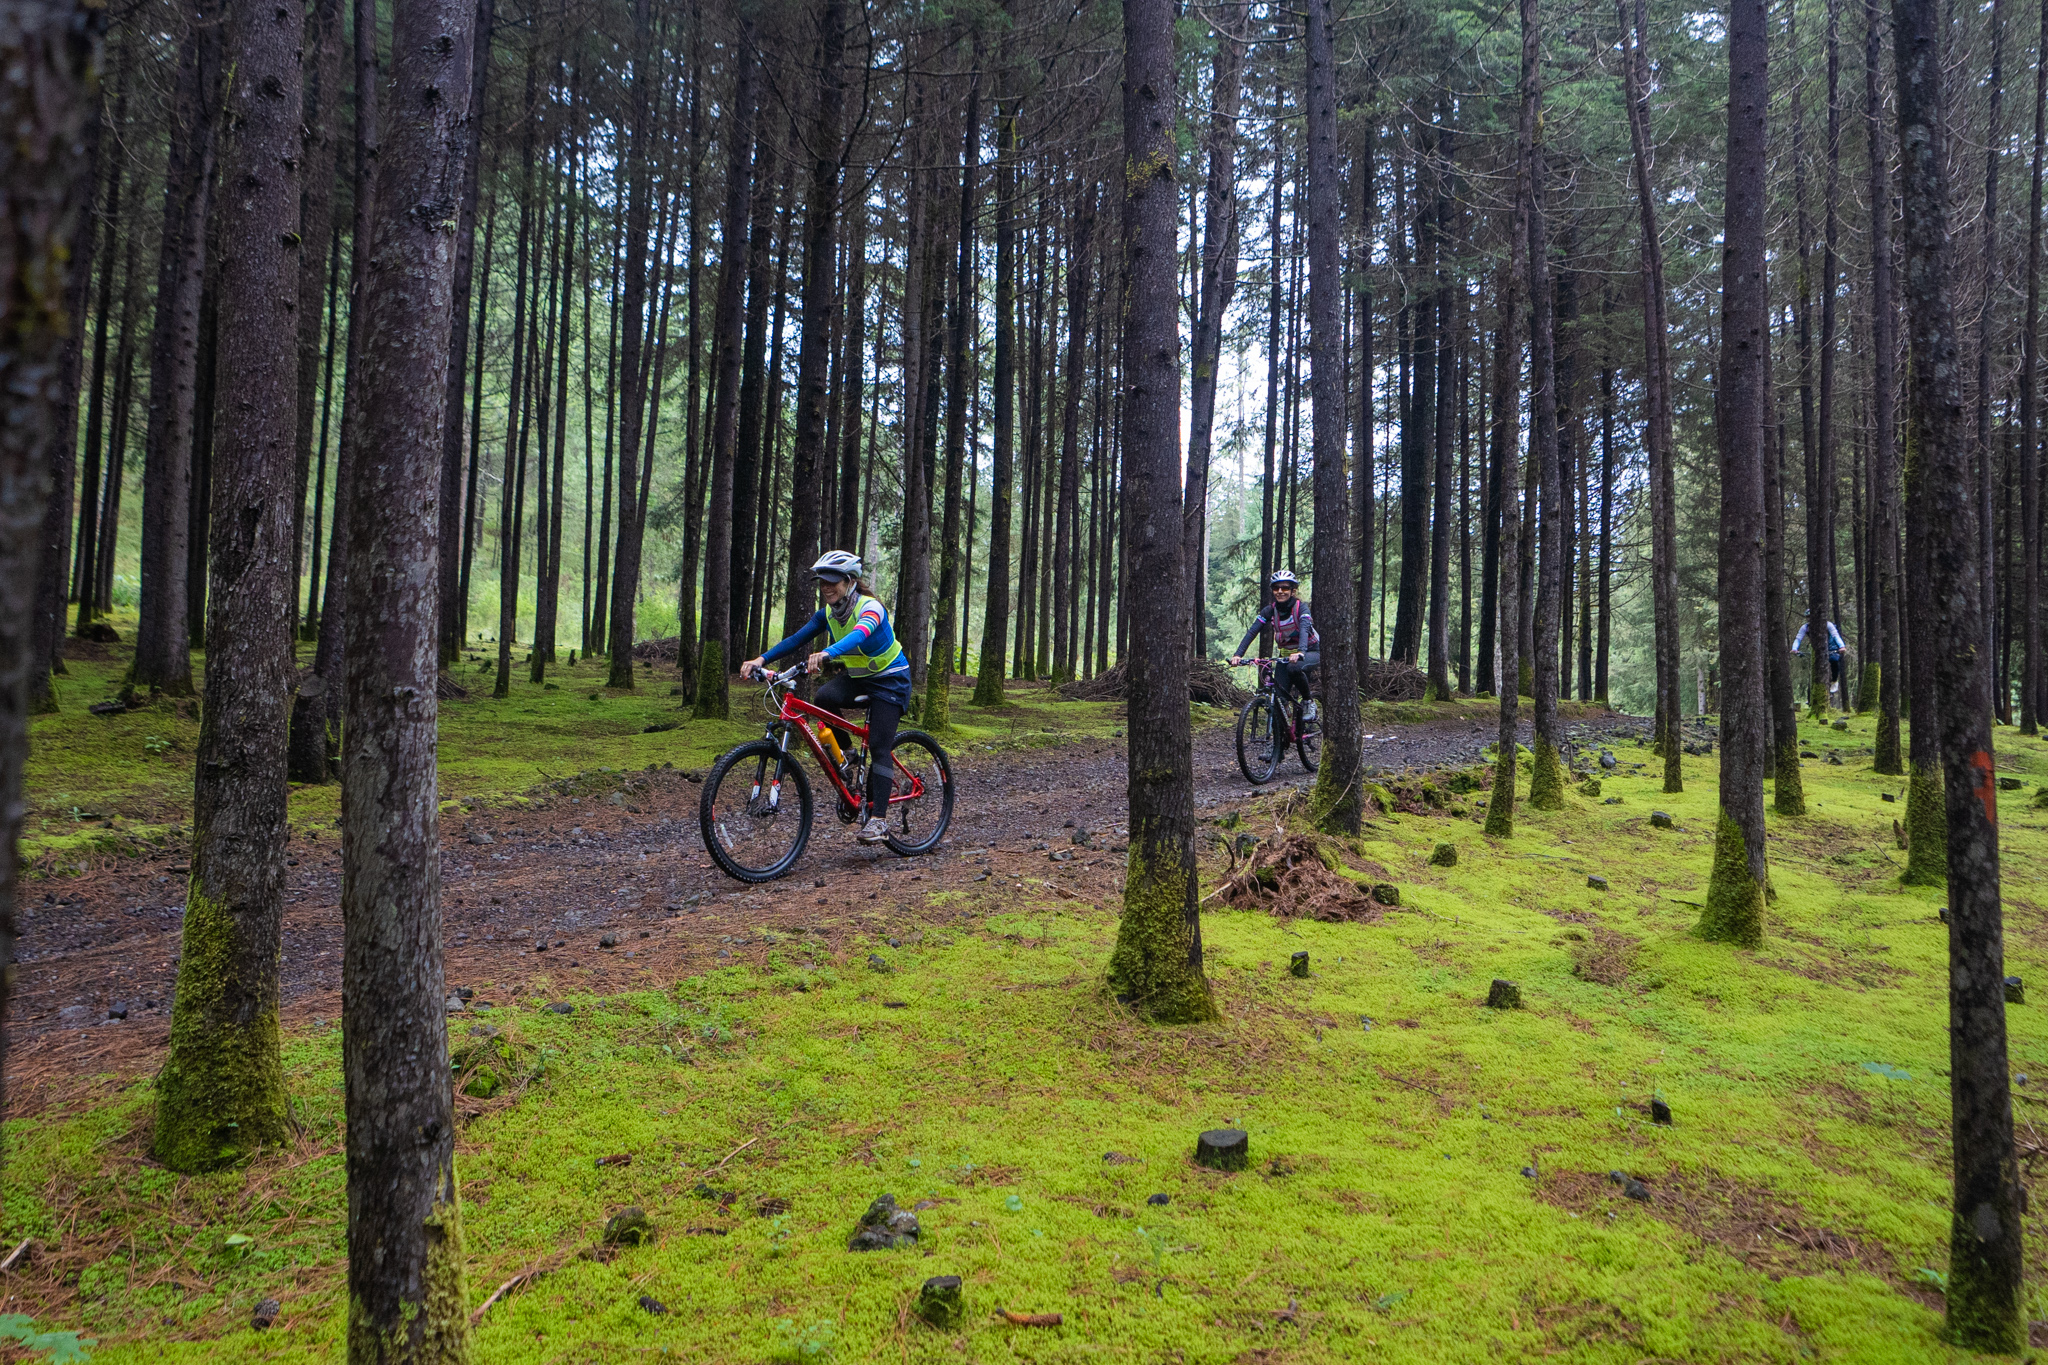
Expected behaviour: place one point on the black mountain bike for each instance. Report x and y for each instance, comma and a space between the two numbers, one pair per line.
1257, 755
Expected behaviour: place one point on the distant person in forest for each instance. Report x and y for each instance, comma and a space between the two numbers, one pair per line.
1294, 632
877, 674
1836, 649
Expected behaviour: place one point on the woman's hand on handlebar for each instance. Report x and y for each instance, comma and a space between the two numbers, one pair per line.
751, 667
1294, 658
1236, 661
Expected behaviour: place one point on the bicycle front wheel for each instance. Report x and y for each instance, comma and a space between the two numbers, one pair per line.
921, 807
755, 813
1255, 756
1308, 743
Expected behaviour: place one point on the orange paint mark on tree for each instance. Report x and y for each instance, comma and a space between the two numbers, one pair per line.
1987, 785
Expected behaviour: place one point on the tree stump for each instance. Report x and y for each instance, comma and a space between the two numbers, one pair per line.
1224, 1149
1444, 855
1386, 893
940, 1303
1298, 964
1504, 995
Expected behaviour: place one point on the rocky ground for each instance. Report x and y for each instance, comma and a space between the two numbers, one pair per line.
595, 893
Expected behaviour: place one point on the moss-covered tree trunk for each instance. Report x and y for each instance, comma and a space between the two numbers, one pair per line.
51, 52
1546, 783
1339, 791
1157, 962
1735, 888
1985, 1298
406, 1299
221, 1093
714, 697
1788, 794
1500, 809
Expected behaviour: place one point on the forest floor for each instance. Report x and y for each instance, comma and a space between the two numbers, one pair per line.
753, 1065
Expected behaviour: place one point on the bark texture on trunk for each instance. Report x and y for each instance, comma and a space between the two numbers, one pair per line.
1339, 792
453, 504
1546, 782
1157, 962
2030, 409
51, 52
714, 696
163, 659
1985, 1298
1882, 536
406, 1299
221, 1093
1735, 890
994, 666
1500, 809
633, 377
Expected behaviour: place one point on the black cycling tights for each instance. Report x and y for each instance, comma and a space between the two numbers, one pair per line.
835, 694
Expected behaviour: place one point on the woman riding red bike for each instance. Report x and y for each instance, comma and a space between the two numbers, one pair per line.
1294, 634
863, 639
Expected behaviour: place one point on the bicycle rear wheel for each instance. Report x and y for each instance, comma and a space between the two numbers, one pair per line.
918, 821
750, 828
1255, 756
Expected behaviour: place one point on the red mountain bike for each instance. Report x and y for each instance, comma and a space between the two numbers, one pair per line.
1257, 756
755, 833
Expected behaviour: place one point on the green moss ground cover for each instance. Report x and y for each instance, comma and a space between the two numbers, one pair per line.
1797, 1210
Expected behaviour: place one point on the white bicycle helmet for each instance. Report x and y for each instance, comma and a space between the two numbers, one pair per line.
836, 565
1283, 576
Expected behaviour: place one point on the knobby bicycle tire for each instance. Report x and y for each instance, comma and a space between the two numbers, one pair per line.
1255, 756
933, 762
723, 844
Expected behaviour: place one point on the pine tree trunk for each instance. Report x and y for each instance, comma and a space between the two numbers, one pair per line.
1157, 962
1447, 324
1500, 808
1788, 793
1546, 784
51, 51
1657, 429
1985, 1298
407, 1301
1364, 455
316, 229
86, 556
748, 477
961, 326
163, 661
988, 683
633, 378
811, 459
714, 698
1735, 890
512, 490
453, 506
1883, 533
1069, 653
2031, 671
221, 1094
1340, 781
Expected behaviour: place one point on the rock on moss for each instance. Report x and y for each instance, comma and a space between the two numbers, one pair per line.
1504, 995
629, 1227
884, 1227
1662, 820
1386, 893
1444, 855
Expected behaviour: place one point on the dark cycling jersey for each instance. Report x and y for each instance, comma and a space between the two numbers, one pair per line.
1292, 631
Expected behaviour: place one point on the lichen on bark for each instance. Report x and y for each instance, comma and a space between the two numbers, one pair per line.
1788, 796
1546, 784
1926, 830
714, 697
1500, 807
221, 1093
1152, 965
435, 1330
1867, 687
1734, 911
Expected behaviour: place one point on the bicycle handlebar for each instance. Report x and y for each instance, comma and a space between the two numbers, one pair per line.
772, 678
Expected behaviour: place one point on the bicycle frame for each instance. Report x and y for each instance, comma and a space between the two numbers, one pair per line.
795, 713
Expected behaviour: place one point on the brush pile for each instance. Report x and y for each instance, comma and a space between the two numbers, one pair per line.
662, 651
1391, 680
1295, 876
1208, 682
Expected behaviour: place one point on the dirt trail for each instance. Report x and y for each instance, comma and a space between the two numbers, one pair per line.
572, 873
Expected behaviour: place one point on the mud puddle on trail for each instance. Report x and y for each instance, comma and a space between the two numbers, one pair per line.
571, 874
